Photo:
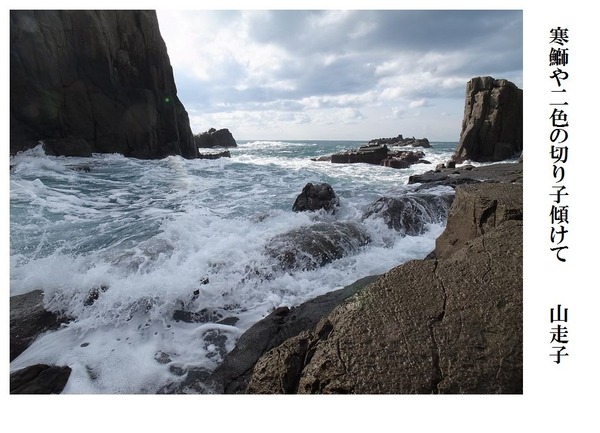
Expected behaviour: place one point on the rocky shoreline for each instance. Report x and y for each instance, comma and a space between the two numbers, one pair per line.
451, 323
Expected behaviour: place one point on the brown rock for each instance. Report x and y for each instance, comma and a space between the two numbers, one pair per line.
492, 127
477, 208
451, 325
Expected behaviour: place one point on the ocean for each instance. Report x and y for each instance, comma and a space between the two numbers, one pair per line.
162, 264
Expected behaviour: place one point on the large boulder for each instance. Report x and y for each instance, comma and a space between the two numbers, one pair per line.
85, 81
492, 127
446, 325
410, 214
215, 138
315, 196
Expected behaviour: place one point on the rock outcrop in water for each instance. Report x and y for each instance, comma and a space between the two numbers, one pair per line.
401, 141
410, 214
215, 138
315, 196
86, 81
492, 127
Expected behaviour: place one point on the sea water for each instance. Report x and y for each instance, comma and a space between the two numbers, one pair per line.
119, 245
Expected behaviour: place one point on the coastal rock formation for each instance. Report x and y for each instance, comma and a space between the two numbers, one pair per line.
401, 141
39, 379
485, 207
225, 154
29, 319
504, 173
446, 325
316, 245
233, 374
86, 81
316, 196
411, 213
378, 154
369, 154
492, 127
214, 138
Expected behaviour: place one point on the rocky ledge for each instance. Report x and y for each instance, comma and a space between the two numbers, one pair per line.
451, 323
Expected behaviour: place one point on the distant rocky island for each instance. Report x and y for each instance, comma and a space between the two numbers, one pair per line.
215, 138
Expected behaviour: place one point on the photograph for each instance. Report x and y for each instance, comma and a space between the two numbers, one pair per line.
241, 201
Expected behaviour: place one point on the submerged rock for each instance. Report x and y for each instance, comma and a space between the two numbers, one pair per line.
315, 246
316, 196
410, 214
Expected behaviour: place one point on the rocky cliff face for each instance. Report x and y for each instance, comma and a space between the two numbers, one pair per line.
94, 81
492, 127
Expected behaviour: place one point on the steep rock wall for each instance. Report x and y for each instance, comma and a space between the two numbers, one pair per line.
94, 81
492, 127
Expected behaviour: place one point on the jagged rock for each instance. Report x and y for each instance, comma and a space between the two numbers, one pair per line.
85, 81
492, 127
29, 319
410, 214
214, 138
316, 245
316, 196
233, 374
451, 325
39, 379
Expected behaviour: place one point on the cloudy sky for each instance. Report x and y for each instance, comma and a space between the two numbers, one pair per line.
332, 74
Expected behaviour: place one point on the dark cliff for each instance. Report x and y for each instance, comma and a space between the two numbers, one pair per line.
94, 81
492, 127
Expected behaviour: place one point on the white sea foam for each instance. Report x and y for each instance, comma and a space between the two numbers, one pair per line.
120, 248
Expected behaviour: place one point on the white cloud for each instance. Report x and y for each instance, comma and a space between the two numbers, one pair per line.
320, 69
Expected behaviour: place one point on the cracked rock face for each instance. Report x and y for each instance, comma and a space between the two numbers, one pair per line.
88, 81
492, 127
446, 325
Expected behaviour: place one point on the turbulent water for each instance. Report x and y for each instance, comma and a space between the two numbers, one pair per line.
122, 246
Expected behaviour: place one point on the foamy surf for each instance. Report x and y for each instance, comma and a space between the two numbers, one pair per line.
162, 265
